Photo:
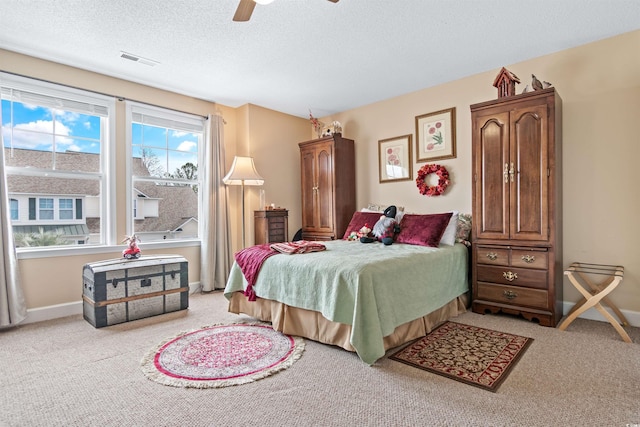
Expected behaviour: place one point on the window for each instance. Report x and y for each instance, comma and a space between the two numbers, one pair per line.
56, 148
65, 209
13, 207
165, 151
46, 208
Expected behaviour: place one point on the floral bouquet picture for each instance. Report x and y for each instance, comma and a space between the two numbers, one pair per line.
394, 157
436, 135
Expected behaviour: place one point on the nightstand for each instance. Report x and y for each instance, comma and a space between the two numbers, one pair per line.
271, 226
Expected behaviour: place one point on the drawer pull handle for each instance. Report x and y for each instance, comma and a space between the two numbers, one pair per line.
528, 258
492, 256
509, 294
510, 276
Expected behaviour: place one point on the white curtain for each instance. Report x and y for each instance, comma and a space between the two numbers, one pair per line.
13, 308
215, 255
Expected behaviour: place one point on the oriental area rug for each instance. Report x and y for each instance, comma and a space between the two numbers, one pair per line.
475, 356
221, 356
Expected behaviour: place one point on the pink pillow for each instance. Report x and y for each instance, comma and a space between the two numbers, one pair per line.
423, 230
359, 219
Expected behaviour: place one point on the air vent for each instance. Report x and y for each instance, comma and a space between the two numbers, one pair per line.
136, 58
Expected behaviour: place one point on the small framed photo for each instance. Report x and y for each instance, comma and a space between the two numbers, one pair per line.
436, 135
394, 158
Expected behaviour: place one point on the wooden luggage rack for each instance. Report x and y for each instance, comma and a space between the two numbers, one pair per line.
577, 273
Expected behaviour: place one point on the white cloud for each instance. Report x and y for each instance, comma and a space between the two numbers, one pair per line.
38, 134
187, 146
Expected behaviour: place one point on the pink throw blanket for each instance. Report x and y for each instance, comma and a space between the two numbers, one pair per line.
250, 261
298, 247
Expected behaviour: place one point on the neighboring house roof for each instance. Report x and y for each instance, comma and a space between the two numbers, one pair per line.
176, 203
65, 230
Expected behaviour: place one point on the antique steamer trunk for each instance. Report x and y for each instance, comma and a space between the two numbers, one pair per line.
120, 290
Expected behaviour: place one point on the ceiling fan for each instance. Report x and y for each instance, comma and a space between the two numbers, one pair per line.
245, 9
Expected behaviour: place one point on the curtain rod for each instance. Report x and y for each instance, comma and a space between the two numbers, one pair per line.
119, 98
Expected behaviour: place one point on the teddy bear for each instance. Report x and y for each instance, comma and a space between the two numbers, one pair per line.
363, 232
386, 229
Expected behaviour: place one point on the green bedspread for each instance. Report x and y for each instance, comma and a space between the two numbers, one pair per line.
372, 287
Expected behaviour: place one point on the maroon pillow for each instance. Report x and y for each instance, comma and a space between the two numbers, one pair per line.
359, 219
423, 230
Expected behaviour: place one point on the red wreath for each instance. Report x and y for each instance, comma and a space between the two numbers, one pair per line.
443, 180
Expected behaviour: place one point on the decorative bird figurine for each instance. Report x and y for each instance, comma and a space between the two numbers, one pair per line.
526, 89
546, 85
535, 83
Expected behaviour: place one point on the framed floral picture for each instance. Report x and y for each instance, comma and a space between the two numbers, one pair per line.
394, 158
436, 135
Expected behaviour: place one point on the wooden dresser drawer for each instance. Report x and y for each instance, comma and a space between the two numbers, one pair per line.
520, 276
276, 224
494, 256
513, 295
530, 258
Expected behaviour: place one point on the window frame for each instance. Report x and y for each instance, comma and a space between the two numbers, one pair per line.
168, 115
105, 176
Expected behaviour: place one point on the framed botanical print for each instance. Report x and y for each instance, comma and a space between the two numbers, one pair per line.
436, 135
394, 158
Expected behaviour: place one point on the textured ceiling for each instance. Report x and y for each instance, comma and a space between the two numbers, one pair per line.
296, 55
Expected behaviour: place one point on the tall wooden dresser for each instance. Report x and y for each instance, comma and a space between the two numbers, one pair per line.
517, 206
328, 187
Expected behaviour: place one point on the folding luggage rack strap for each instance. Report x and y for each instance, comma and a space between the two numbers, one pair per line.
596, 294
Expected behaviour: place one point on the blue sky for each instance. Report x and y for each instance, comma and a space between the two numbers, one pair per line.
34, 129
39, 128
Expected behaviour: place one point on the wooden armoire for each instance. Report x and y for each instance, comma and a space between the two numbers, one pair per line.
328, 187
517, 206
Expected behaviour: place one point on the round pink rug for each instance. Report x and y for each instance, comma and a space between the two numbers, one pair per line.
222, 355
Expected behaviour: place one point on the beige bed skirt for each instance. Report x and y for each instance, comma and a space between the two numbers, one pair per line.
313, 325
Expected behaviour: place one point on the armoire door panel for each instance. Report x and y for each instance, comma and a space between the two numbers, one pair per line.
325, 188
529, 155
492, 155
309, 174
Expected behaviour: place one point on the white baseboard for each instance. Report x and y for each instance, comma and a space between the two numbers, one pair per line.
69, 309
592, 314
51, 312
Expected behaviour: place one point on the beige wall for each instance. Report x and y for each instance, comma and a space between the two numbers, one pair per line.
271, 138
600, 87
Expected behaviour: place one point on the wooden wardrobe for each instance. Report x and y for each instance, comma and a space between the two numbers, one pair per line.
517, 206
328, 187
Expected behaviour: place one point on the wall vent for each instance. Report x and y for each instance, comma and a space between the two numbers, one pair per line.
136, 58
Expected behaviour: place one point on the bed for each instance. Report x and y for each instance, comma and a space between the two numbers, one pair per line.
365, 298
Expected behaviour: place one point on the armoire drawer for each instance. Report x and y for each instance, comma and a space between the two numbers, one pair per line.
530, 258
515, 257
493, 256
513, 295
512, 276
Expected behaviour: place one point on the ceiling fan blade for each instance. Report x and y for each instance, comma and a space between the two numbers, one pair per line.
334, 1
244, 10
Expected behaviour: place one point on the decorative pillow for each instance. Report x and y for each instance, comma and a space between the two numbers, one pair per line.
359, 219
423, 230
464, 229
449, 236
